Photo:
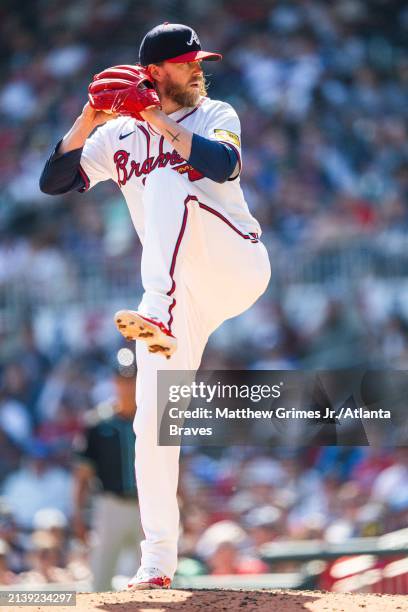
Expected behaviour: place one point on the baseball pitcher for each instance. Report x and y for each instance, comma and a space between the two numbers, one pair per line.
176, 155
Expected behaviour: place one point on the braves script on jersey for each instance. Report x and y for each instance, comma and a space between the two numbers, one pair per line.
127, 151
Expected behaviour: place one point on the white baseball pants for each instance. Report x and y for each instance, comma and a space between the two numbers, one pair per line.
198, 270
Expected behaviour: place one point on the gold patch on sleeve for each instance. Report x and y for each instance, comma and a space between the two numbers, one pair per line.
227, 137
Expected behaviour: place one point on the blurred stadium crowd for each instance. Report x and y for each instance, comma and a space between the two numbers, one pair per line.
321, 93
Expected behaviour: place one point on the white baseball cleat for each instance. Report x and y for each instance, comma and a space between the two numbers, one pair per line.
149, 578
134, 326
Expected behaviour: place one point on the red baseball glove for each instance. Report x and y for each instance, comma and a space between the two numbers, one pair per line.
125, 90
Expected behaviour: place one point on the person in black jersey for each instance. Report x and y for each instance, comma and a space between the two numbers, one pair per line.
105, 464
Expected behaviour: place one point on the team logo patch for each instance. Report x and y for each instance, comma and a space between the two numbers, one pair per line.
192, 173
193, 38
227, 136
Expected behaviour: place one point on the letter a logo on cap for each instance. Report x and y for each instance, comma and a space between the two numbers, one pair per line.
194, 38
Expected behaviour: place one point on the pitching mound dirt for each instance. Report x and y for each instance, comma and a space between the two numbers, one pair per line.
220, 600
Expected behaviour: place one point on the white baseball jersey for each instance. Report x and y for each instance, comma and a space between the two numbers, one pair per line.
126, 151
201, 264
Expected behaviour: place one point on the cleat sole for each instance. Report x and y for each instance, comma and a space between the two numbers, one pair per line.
134, 327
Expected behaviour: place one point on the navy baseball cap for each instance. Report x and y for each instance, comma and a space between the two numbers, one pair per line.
173, 42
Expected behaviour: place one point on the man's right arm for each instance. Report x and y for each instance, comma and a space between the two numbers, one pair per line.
83, 476
62, 171
84, 473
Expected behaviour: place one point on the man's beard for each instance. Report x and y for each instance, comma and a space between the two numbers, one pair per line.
182, 95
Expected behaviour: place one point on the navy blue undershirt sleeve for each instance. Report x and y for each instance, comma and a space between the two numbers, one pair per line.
216, 160
61, 173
